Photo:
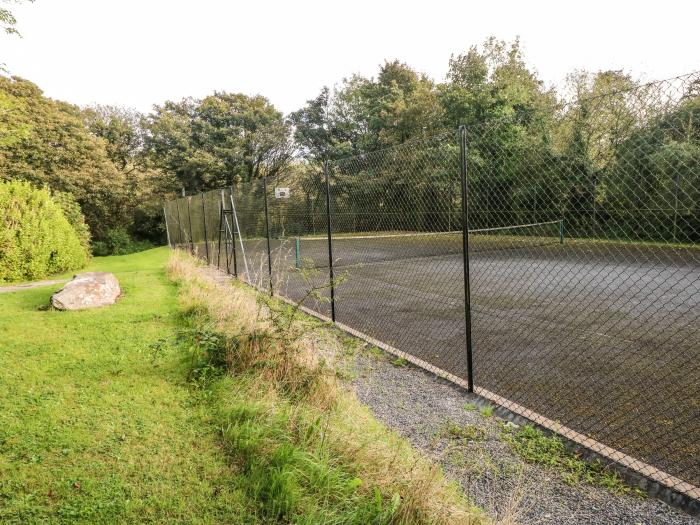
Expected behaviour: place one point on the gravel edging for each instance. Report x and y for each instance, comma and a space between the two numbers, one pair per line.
418, 405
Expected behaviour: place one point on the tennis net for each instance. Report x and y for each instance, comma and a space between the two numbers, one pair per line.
351, 249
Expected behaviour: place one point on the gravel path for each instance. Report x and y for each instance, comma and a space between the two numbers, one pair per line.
419, 406
27, 286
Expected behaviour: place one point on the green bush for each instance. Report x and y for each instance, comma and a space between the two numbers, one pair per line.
117, 241
36, 237
72, 212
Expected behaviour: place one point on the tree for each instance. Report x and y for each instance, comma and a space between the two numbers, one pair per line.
8, 23
123, 131
366, 114
218, 140
46, 142
7, 19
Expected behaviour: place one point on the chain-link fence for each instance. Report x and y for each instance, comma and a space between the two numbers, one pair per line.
572, 298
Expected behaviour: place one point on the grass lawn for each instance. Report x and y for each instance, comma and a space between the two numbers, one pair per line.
91, 430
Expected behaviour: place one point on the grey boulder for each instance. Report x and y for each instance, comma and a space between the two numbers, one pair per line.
87, 290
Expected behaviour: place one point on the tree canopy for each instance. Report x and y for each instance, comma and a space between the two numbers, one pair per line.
120, 165
220, 139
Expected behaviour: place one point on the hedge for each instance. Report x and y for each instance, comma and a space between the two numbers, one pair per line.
40, 234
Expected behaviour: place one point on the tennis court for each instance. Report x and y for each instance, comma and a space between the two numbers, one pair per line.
576, 330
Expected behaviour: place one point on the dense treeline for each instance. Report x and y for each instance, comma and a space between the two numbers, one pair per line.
601, 147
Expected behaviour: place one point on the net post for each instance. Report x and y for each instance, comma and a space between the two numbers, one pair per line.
189, 217
561, 231
204, 223
267, 234
167, 230
465, 254
297, 253
330, 238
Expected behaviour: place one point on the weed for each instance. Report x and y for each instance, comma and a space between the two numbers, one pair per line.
376, 352
455, 431
400, 362
469, 407
486, 411
533, 445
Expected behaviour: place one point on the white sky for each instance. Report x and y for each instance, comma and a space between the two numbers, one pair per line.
139, 53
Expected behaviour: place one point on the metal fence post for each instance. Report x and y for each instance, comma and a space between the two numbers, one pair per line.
204, 222
234, 222
267, 234
222, 229
179, 223
189, 217
465, 253
330, 238
676, 187
167, 229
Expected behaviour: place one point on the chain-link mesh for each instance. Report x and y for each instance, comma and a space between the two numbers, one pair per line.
583, 263
248, 213
297, 218
398, 249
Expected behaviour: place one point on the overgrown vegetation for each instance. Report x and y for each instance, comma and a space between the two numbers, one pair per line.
40, 234
533, 445
312, 452
117, 241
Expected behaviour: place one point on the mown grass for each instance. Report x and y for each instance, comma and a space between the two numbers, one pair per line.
91, 431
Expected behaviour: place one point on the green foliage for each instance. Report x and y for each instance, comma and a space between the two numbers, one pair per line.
117, 241
36, 238
215, 141
291, 476
486, 411
277, 445
46, 142
535, 446
8, 20
534, 154
466, 433
74, 215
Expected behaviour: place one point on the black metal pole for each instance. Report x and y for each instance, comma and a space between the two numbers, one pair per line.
465, 253
222, 229
330, 238
676, 186
189, 218
234, 222
267, 233
204, 222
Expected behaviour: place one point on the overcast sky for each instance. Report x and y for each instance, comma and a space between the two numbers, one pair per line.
141, 52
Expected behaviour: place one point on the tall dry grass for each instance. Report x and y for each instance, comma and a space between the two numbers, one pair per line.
293, 359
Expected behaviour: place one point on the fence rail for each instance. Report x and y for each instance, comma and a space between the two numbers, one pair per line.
557, 274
